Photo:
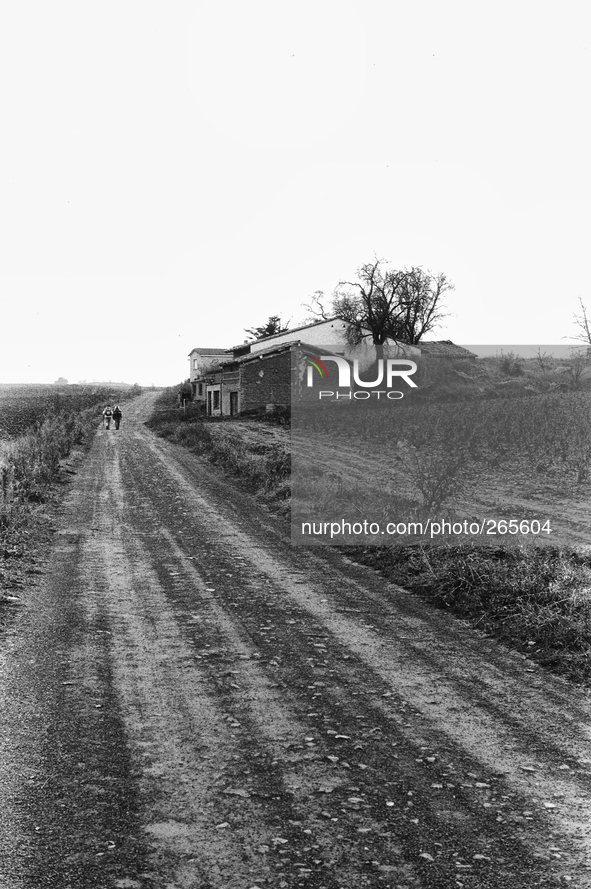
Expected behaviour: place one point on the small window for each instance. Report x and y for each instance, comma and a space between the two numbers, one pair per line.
200, 388
216, 399
195, 363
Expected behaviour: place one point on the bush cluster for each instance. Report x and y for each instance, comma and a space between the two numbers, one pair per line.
35, 456
29, 464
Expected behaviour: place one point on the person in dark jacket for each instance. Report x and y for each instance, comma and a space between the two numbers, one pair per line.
117, 416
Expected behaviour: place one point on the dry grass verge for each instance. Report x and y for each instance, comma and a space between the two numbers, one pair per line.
535, 599
32, 465
263, 466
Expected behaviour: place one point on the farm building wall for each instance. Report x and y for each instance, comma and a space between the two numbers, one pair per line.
230, 392
198, 388
322, 333
214, 400
200, 360
266, 381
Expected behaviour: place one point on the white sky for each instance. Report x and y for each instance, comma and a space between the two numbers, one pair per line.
173, 172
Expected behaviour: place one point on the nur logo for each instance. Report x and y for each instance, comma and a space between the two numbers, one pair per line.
315, 362
387, 370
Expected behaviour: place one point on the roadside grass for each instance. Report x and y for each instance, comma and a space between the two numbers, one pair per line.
31, 461
29, 476
264, 468
533, 599
30, 471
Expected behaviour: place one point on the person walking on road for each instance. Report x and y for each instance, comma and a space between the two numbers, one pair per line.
117, 415
107, 417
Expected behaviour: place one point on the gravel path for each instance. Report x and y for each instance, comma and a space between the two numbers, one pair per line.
189, 702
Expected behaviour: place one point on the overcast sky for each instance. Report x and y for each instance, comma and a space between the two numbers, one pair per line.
172, 173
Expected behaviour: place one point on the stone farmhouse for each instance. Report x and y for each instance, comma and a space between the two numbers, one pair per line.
200, 361
257, 376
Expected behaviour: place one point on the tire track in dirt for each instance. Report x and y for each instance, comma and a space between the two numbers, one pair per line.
265, 737
511, 754
205, 508
70, 819
374, 748
472, 698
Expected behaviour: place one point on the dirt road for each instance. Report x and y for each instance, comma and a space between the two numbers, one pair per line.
188, 701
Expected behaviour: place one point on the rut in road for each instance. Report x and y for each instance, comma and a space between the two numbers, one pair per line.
252, 714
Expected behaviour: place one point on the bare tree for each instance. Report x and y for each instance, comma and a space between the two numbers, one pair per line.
583, 324
578, 367
543, 359
383, 304
422, 295
317, 310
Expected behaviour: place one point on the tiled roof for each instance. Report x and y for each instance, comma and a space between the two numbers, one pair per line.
271, 350
445, 348
284, 347
213, 352
291, 330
